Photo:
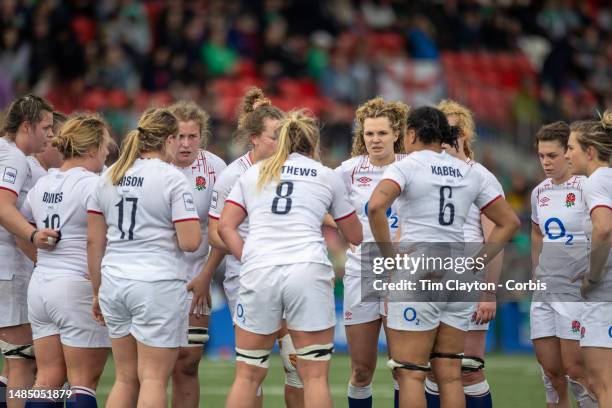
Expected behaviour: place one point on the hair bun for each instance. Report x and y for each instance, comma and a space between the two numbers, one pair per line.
606, 119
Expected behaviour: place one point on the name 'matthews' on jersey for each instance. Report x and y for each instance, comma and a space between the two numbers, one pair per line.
436, 193
285, 217
140, 212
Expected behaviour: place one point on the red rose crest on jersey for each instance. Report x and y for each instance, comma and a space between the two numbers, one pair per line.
364, 181
348, 315
543, 202
576, 326
200, 183
570, 200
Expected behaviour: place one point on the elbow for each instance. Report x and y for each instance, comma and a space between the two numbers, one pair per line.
515, 224
357, 238
192, 244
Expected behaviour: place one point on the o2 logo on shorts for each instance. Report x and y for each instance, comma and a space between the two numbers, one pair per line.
610, 332
410, 315
393, 218
240, 313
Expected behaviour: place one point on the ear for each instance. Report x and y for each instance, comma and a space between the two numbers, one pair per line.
395, 136
591, 153
254, 140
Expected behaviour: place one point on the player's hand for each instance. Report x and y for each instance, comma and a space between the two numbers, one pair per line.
587, 287
46, 238
485, 312
200, 286
578, 276
97, 312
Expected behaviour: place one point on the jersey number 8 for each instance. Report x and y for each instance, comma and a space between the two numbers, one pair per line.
283, 198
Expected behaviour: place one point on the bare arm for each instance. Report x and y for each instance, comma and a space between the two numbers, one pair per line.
601, 243
231, 218
506, 224
12, 220
96, 245
213, 235
351, 229
188, 234
537, 241
382, 197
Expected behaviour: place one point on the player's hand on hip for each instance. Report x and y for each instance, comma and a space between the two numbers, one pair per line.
97, 312
200, 286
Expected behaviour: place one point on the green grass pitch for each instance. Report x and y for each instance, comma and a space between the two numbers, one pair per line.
515, 382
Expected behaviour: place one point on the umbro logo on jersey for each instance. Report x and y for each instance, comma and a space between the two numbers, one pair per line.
543, 202
363, 180
10, 175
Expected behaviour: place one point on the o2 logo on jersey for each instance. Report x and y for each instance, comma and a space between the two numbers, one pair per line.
240, 313
390, 216
410, 315
562, 232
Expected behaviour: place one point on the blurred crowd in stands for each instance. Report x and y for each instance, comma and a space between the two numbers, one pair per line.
516, 63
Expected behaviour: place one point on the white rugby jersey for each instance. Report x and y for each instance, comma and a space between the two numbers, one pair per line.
360, 177
598, 193
221, 190
14, 177
140, 213
285, 218
437, 191
472, 229
59, 201
560, 212
201, 176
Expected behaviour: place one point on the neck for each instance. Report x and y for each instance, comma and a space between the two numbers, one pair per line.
39, 157
382, 161
591, 167
22, 144
75, 162
152, 155
254, 157
562, 179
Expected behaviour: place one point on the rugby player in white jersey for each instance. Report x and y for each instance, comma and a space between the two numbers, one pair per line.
377, 142
475, 228
202, 168
49, 158
28, 123
68, 342
420, 330
257, 124
285, 266
559, 252
589, 152
140, 220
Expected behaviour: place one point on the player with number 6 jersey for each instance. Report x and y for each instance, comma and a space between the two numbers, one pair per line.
143, 216
420, 330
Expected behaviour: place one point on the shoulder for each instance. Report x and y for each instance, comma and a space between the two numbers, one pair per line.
213, 158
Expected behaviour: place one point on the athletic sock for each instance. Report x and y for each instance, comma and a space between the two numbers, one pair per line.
359, 397
432, 394
3, 382
478, 395
49, 403
582, 396
395, 394
82, 397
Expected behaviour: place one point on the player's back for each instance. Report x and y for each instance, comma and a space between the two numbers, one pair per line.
59, 201
140, 211
437, 191
285, 217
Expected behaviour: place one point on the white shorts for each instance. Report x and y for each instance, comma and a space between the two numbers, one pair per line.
231, 286
422, 316
14, 301
558, 319
152, 312
304, 291
596, 325
62, 306
355, 310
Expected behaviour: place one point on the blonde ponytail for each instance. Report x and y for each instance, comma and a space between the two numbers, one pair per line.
298, 133
129, 153
154, 127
